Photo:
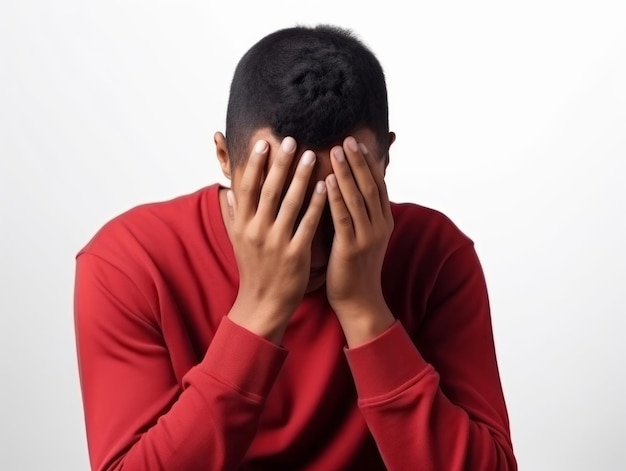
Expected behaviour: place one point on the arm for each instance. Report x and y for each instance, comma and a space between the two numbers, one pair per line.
450, 412
446, 415
137, 416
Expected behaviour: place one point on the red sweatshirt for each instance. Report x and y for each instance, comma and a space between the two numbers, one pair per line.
170, 383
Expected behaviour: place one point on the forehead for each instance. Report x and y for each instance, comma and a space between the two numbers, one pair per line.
364, 135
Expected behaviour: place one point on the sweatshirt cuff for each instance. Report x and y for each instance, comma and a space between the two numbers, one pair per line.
385, 363
243, 359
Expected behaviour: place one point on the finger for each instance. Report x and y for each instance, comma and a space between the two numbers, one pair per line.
342, 220
365, 181
305, 231
377, 173
273, 186
250, 183
350, 193
291, 204
230, 199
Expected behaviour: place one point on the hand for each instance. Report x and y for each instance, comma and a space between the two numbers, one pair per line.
363, 223
273, 255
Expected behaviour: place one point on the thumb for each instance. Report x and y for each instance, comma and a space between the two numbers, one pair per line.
230, 199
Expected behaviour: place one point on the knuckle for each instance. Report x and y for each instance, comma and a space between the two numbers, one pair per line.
344, 220
282, 161
246, 187
292, 253
344, 172
335, 196
359, 163
237, 232
269, 192
302, 174
298, 182
290, 205
356, 201
289, 254
255, 237
308, 223
370, 192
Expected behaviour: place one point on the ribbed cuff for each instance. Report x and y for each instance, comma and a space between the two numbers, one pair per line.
243, 359
385, 363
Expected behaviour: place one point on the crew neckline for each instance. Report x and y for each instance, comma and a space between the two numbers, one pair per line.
217, 227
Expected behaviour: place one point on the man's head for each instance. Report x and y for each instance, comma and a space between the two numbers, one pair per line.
318, 85
315, 84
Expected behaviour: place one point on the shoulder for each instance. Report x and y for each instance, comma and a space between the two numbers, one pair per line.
148, 228
420, 228
423, 247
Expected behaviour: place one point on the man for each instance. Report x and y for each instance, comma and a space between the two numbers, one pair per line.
297, 320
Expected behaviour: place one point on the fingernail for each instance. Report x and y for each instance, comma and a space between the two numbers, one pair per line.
332, 180
289, 144
260, 147
339, 155
308, 158
229, 198
320, 187
363, 148
352, 145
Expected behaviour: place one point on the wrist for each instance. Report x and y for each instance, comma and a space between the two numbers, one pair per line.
363, 323
267, 320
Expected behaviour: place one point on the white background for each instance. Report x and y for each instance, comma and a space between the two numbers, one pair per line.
511, 119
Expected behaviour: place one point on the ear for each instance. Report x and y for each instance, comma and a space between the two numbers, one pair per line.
221, 151
392, 139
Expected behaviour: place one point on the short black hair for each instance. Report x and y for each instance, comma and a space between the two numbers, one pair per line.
317, 84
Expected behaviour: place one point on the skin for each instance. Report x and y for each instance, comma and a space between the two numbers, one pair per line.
301, 220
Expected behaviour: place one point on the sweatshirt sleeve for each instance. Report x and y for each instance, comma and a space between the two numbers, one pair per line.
137, 416
446, 412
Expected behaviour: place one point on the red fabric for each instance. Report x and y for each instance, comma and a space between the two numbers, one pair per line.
170, 383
